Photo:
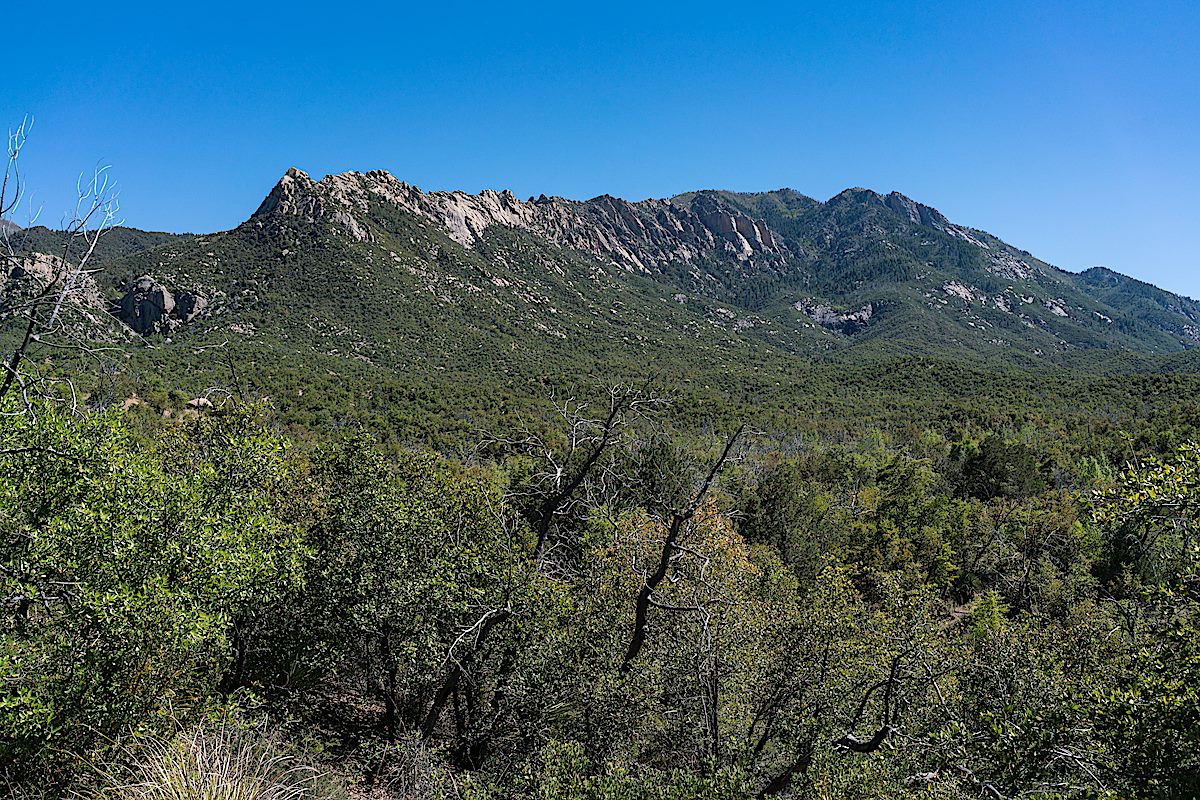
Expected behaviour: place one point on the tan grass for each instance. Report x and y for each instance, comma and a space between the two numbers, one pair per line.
225, 763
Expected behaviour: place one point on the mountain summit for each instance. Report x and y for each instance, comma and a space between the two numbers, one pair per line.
366, 269
780, 261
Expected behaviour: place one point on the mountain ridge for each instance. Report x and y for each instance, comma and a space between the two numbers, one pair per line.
732, 243
745, 294
850, 256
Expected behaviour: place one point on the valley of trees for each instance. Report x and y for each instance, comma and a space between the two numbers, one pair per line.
754, 576
600, 606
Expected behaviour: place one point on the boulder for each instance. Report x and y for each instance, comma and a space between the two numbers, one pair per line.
148, 306
827, 316
189, 305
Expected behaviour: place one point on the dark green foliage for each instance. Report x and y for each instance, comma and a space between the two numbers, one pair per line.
861, 629
996, 468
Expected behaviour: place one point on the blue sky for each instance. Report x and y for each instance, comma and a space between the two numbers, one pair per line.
1067, 128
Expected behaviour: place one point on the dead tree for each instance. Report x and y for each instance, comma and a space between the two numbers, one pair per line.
671, 547
554, 491
456, 669
558, 489
850, 741
465, 652
40, 313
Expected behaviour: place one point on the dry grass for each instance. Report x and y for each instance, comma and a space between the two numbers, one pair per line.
225, 763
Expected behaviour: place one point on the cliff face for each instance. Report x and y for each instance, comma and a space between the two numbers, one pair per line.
728, 232
57, 290
639, 236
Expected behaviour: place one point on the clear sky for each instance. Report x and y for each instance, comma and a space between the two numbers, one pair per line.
1071, 129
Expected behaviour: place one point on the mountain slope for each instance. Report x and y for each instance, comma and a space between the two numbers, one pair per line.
763, 298
957, 286
861, 272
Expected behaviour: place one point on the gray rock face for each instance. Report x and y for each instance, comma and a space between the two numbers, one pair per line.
298, 195
639, 236
745, 235
352, 226
829, 317
149, 307
81, 308
189, 305
917, 213
145, 305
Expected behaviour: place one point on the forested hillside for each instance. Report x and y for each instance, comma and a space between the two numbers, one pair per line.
394, 494
359, 299
601, 608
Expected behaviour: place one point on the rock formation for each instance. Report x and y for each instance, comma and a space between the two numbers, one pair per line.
843, 322
639, 236
148, 307
74, 298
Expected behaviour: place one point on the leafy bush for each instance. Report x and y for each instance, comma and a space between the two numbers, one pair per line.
126, 563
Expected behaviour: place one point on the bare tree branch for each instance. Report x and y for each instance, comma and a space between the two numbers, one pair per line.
678, 520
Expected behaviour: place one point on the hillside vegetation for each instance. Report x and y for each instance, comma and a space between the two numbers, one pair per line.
394, 494
602, 611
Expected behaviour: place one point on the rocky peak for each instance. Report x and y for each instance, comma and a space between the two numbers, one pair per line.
293, 195
328, 200
1104, 276
637, 236
917, 213
856, 194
